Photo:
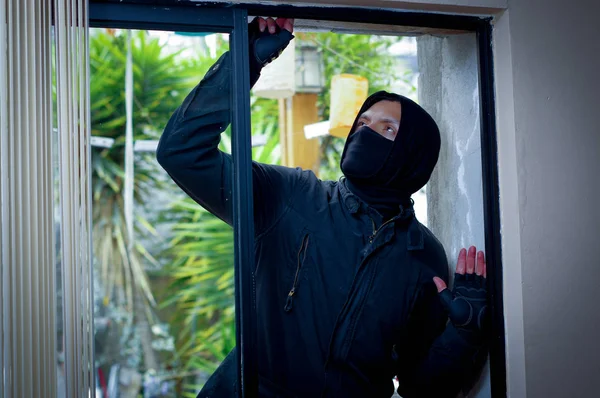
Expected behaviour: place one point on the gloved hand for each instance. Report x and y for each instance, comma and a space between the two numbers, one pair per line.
267, 39
467, 303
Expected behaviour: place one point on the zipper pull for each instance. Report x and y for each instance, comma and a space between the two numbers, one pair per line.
290, 300
372, 237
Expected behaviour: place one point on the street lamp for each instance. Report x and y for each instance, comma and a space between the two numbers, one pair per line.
299, 69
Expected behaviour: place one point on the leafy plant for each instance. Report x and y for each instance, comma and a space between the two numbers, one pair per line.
202, 269
121, 265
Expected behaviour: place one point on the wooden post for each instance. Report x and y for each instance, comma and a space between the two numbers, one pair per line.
295, 113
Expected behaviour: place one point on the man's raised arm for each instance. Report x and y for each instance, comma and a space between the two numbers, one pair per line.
188, 149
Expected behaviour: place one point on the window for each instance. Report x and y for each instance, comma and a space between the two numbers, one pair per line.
459, 32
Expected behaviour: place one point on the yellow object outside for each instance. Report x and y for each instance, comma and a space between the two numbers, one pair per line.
348, 93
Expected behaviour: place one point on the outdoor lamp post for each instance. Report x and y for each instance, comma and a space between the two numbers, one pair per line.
310, 74
299, 110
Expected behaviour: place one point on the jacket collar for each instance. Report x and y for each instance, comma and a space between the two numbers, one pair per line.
353, 203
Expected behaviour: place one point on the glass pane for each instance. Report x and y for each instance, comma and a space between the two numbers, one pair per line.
163, 270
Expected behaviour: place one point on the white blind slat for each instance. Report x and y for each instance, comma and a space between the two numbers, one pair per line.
28, 284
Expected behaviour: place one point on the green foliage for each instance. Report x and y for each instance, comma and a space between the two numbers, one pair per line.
202, 271
159, 85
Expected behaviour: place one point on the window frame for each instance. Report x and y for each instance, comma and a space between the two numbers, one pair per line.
232, 18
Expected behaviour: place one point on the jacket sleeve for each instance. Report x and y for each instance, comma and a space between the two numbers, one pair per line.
188, 151
433, 359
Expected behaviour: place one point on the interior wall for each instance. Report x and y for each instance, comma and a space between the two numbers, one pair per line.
557, 130
509, 209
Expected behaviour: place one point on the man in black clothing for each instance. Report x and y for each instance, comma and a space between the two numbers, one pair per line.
347, 279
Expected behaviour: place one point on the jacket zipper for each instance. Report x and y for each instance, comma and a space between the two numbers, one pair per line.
289, 302
361, 269
376, 231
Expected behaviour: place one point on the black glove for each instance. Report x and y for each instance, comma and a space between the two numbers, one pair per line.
265, 47
467, 307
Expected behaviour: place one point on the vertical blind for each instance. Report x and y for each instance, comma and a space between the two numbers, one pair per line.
74, 132
30, 45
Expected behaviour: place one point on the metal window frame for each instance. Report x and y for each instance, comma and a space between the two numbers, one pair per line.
235, 22
232, 18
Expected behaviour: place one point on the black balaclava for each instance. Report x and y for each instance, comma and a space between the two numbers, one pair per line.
386, 173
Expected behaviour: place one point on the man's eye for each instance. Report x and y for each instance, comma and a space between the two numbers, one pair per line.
390, 130
361, 124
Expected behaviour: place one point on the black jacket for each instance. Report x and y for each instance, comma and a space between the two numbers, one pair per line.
344, 303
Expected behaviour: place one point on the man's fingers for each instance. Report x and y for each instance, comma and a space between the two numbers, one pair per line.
445, 293
480, 266
289, 25
281, 22
440, 284
471, 259
461, 264
271, 25
446, 299
285, 23
262, 24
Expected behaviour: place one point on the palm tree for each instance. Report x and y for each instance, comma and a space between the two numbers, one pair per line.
160, 82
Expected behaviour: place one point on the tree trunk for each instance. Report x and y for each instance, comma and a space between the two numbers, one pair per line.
144, 331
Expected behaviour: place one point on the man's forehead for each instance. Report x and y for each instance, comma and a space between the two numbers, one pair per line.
387, 119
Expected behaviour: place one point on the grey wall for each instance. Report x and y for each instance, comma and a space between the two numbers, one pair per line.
449, 91
555, 65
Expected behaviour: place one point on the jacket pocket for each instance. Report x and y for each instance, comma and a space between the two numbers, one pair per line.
289, 302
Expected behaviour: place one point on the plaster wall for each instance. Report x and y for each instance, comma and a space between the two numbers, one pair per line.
449, 91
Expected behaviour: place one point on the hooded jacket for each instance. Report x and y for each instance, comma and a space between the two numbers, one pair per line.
345, 301
398, 168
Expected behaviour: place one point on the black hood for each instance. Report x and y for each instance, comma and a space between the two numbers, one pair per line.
408, 165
